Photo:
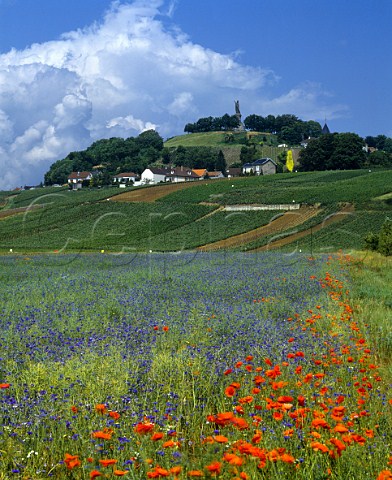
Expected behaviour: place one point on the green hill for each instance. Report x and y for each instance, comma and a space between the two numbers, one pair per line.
193, 215
207, 139
230, 143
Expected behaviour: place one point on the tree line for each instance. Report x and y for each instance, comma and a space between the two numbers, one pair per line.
342, 151
289, 128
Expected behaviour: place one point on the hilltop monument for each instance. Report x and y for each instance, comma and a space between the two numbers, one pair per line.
238, 115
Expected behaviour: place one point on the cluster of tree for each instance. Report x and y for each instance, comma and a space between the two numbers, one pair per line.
381, 242
381, 142
209, 158
213, 124
340, 151
110, 156
289, 128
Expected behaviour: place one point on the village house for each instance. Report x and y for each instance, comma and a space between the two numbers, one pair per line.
122, 179
233, 172
262, 166
215, 175
76, 180
200, 172
153, 175
181, 174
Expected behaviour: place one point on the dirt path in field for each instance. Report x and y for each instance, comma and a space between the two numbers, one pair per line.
281, 223
334, 218
150, 194
15, 211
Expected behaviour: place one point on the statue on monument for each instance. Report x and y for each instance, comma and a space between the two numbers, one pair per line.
238, 115
237, 107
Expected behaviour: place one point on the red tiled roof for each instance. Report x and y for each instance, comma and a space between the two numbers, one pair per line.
79, 175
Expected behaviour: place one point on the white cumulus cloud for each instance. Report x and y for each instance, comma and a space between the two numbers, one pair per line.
127, 73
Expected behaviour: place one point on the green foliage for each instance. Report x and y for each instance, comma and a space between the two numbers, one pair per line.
381, 142
380, 242
211, 124
195, 157
371, 241
385, 238
379, 158
371, 291
338, 151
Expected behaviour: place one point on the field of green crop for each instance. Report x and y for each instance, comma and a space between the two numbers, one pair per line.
347, 235
358, 187
56, 219
231, 366
91, 225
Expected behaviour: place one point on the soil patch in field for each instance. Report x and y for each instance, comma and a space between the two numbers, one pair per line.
15, 211
150, 194
281, 242
280, 223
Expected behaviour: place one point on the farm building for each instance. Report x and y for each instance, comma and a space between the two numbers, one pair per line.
262, 166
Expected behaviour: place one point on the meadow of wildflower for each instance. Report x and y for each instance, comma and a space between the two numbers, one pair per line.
214, 365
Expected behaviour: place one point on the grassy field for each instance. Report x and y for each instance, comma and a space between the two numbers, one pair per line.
186, 217
230, 150
207, 139
220, 365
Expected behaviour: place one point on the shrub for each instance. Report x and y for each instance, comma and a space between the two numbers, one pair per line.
385, 239
371, 241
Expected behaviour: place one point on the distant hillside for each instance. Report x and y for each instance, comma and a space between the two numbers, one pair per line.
230, 143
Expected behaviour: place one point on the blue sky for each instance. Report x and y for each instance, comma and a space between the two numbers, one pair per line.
72, 72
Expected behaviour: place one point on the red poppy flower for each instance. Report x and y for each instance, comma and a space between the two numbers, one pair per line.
95, 474
71, 461
100, 408
247, 399
107, 462
230, 391
233, 459
317, 446
102, 435
214, 468
144, 427
158, 472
